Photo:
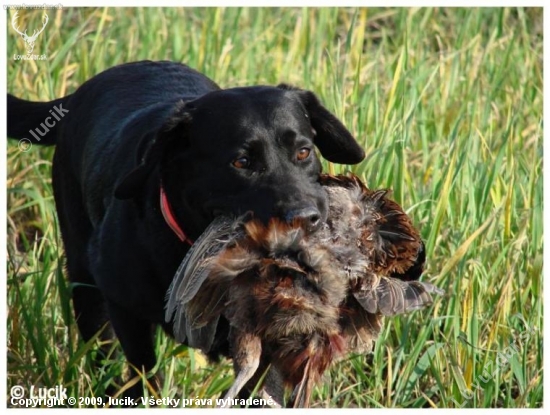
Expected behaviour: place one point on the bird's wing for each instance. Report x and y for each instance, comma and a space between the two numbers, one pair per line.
392, 296
194, 268
202, 337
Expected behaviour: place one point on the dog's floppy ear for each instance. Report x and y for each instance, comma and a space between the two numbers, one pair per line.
152, 129
334, 141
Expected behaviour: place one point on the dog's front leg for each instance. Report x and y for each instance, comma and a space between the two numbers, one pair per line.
136, 339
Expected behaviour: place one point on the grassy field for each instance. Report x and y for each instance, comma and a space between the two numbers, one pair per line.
448, 105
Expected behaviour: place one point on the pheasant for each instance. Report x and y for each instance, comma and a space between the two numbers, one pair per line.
297, 302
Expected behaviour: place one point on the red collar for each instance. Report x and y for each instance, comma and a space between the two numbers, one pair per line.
170, 218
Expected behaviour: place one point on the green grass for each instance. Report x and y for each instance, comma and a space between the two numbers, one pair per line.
448, 105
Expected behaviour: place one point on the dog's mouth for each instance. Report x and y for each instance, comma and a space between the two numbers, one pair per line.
217, 212
213, 212
245, 216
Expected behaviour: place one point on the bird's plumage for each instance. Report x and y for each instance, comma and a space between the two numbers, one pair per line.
306, 299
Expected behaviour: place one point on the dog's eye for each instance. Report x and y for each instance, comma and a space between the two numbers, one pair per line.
241, 162
303, 153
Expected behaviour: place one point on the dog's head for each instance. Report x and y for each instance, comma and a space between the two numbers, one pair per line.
240, 150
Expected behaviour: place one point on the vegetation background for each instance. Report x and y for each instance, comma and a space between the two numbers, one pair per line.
448, 105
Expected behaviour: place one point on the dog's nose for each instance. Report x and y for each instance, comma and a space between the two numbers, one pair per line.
310, 215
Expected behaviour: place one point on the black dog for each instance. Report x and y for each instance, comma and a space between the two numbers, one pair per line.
147, 154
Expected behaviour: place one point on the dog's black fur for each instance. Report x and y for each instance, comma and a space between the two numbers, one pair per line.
138, 125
